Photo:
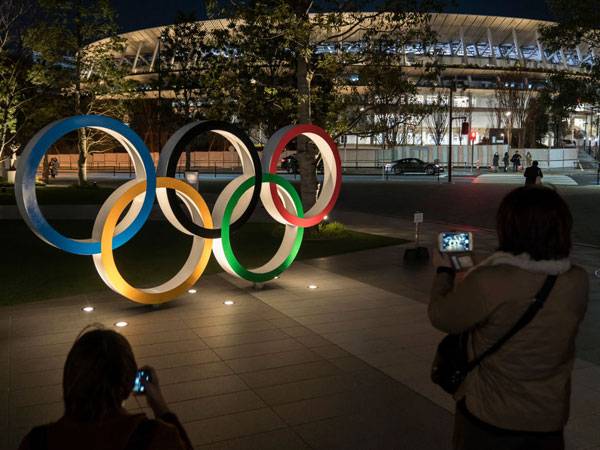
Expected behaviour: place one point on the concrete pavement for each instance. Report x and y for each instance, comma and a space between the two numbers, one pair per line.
342, 366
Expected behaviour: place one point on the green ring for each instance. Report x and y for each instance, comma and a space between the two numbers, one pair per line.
225, 236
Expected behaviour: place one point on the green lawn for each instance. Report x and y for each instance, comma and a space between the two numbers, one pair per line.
33, 270
58, 195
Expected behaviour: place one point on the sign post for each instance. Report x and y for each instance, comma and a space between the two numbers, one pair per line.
418, 218
417, 254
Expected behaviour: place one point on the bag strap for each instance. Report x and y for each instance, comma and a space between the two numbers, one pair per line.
527, 317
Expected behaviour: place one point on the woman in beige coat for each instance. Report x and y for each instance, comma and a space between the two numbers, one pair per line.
517, 398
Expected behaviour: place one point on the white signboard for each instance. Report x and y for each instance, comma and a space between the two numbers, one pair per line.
418, 217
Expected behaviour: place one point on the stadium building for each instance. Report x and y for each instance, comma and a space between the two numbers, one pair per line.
478, 52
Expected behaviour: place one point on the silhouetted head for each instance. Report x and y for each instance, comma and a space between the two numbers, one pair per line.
98, 375
534, 220
534, 163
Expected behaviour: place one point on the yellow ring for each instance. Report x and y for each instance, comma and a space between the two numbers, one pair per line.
112, 274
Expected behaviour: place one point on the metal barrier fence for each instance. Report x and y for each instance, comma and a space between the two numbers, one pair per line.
365, 157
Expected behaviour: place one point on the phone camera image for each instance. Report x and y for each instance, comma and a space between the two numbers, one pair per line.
138, 386
456, 242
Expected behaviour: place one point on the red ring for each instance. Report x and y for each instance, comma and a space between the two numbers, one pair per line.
307, 221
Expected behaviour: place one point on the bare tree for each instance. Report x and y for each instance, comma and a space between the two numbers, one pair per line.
15, 89
316, 49
513, 95
10, 13
78, 41
437, 120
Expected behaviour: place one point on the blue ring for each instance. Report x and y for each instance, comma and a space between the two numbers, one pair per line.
27, 169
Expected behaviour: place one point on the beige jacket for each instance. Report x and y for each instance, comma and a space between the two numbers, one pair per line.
526, 385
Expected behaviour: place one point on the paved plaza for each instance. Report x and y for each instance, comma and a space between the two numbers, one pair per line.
342, 366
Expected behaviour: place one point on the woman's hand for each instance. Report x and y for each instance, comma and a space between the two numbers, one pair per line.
153, 394
440, 259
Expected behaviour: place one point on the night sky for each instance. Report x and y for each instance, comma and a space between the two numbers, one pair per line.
138, 14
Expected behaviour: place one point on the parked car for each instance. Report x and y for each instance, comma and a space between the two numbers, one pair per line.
290, 164
412, 165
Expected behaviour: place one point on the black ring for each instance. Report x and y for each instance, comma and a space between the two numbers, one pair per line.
171, 170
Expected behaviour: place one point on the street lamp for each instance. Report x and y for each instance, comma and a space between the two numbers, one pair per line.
453, 86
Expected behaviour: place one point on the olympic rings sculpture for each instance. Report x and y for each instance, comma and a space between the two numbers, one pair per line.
211, 232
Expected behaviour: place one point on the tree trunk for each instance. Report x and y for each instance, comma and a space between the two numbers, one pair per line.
83, 155
306, 151
82, 136
188, 155
46, 169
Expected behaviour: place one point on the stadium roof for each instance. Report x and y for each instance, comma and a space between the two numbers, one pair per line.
463, 40
140, 14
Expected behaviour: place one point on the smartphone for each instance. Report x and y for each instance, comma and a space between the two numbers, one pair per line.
138, 386
457, 245
455, 242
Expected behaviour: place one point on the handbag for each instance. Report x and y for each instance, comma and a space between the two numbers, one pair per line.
451, 364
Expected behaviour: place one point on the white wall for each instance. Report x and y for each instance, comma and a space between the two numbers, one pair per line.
461, 155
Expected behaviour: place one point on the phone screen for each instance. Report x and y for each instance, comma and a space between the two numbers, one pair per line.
138, 387
456, 242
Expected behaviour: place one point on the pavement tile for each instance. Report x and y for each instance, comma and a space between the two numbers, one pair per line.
165, 348
161, 337
194, 372
258, 348
20, 366
218, 405
584, 431
330, 351
42, 351
262, 362
273, 440
233, 426
245, 338
351, 364
307, 389
359, 431
313, 340
179, 359
203, 388
36, 395
584, 401
297, 330
319, 408
30, 416
587, 376
287, 374
37, 379
234, 328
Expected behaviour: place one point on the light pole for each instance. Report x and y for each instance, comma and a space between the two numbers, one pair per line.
453, 86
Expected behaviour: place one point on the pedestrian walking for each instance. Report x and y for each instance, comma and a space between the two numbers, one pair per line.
518, 397
533, 174
505, 160
516, 160
495, 161
528, 159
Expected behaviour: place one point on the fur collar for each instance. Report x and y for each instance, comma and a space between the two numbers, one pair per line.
524, 261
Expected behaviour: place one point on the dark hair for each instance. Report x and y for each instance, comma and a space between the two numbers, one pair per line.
98, 375
534, 163
535, 220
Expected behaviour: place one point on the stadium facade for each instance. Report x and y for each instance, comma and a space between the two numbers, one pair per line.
476, 51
